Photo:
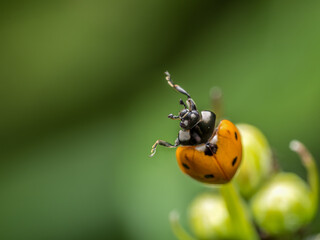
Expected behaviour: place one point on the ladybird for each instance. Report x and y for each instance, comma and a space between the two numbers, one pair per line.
206, 153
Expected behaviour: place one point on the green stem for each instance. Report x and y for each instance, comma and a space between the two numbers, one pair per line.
312, 171
239, 217
178, 230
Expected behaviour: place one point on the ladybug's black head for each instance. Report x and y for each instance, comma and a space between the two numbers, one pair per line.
189, 116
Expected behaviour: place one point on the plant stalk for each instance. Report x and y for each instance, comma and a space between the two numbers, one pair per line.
238, 212
178, 230
312, 171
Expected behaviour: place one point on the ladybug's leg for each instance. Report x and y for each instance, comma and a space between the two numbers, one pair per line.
175, 86
163, 143
191, 104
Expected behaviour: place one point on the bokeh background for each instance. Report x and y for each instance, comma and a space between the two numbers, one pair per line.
83, 98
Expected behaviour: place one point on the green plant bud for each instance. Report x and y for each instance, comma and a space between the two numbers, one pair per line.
257, 163
209, 217
283, 205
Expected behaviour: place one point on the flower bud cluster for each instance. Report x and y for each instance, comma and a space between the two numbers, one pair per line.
279, 203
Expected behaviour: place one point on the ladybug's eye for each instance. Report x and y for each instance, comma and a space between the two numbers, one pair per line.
189, 119
183, 113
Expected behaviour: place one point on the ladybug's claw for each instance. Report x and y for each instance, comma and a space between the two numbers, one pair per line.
153, 151
162, 143
154, 148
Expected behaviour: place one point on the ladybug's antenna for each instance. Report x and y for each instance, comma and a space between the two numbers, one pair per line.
175, 86
182, 103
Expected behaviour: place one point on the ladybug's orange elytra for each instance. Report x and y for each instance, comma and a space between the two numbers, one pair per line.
219, 167
205, 153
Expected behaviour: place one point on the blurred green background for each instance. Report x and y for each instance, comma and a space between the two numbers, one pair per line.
83, 98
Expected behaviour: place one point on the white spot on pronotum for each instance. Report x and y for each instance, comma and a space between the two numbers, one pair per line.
201, 147
214, 140
206, 116
184, 135
193, 116
185, 122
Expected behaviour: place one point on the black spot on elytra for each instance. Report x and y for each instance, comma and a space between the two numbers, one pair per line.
214, 148
208, 152
234, 161
209, 176
211, 149
236, 135
185, 166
